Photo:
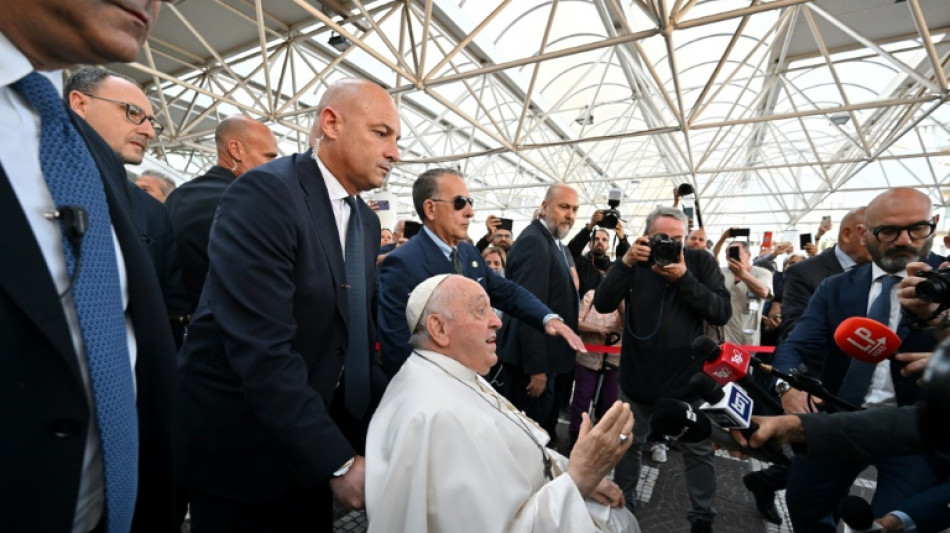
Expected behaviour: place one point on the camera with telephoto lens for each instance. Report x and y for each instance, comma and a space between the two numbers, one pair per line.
936, 287
612, 214
664, 250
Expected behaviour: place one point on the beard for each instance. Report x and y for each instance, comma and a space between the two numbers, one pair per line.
558, 230
891, 262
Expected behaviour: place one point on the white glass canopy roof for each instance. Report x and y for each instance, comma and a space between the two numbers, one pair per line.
778, 112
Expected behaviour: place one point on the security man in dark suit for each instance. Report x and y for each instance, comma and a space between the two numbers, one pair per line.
242, 143
442, 201
276, 381
802, 280
59, 437
538, 261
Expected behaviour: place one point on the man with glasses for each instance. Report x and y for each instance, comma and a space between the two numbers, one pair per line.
445, 207
898, 230
115, 106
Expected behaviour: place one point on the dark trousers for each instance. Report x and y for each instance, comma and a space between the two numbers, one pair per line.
585, 386
298, 510
815, 486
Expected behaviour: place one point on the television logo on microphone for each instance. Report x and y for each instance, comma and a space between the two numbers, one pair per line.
740, 403
865, 341
731, 364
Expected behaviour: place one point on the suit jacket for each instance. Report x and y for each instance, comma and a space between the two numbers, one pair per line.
152, 220
812, 341
863, 435
418, 260
191, 209
43, 402
266, 347
539, 265
801, 281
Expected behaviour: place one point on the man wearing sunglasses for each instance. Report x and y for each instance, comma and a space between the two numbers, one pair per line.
899, 230
445, 207
121, 114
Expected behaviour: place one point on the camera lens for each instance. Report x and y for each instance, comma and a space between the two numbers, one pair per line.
934, 289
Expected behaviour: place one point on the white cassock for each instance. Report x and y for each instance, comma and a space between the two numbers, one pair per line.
445, 452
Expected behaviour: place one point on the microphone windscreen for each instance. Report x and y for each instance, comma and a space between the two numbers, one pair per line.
706, 387
866, 340
679, 421
704, 348
856, 512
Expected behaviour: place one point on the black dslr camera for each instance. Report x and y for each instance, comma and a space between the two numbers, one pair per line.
612, 214
664, 250
936, 287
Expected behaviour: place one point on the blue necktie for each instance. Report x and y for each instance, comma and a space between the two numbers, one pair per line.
73, 179
356, 370
854, 387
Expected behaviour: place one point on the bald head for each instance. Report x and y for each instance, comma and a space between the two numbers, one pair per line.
896, 200
354, 133
243, 143
899, 228
559, 209
849, 236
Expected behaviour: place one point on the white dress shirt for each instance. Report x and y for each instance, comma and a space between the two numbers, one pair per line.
881, 392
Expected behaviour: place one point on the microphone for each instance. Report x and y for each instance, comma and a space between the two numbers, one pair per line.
730, 408
857, 515
728, 363
679, 421
866, 340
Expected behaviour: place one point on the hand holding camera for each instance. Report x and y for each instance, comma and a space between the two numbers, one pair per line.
662, 253
595, 219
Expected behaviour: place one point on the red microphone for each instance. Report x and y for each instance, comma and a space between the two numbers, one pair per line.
866, 340
731, 365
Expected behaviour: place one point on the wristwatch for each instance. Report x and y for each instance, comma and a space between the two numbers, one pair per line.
345, 468
781, 388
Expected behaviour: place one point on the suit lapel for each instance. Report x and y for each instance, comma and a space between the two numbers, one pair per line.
25, 278
324, 224
435, 261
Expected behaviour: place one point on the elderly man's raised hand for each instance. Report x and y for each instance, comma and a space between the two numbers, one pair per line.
599, 448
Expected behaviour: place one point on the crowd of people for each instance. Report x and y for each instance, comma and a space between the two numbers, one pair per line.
265, 276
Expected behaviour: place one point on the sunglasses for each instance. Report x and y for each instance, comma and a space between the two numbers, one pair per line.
134, 114
458, 202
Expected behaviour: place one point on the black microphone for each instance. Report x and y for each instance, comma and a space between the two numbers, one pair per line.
74, 221
857, 515
679, 421
733, 412
731, 366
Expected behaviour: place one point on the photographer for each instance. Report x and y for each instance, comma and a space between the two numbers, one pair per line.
670, 293
592, 266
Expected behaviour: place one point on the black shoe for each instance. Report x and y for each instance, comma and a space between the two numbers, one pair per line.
701, 526
764, 498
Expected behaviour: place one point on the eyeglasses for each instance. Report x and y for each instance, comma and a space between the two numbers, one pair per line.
917, 231
134, 114
458, 202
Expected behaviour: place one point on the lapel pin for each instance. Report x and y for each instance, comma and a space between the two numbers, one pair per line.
474, 264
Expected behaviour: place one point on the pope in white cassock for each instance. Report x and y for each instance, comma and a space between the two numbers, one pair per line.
445, 452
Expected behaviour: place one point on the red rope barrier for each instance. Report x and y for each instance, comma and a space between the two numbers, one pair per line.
616, 349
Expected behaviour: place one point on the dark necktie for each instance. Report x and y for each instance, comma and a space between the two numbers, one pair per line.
356, 371
73, 179
456, 261
854, 387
